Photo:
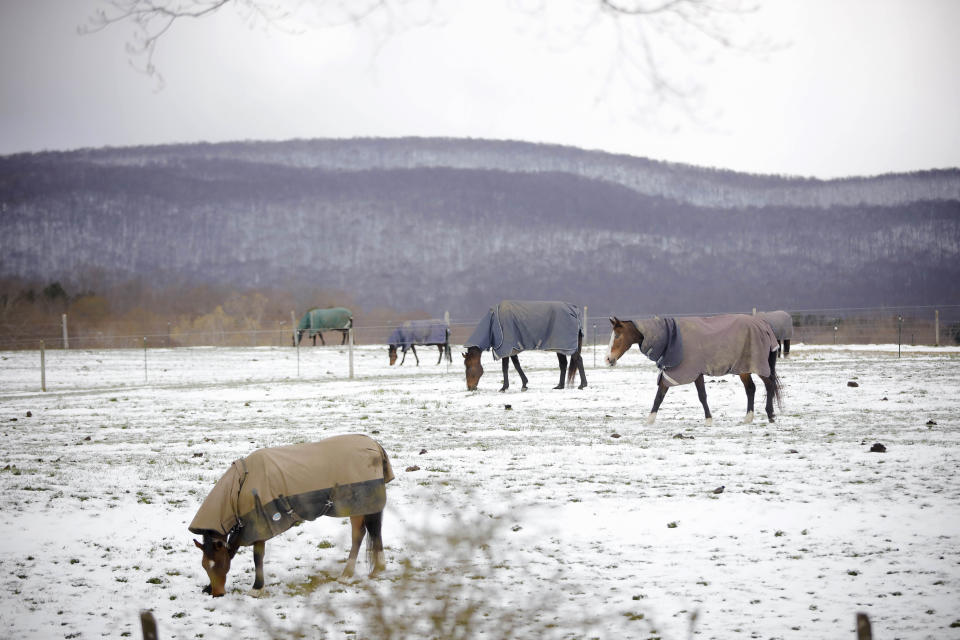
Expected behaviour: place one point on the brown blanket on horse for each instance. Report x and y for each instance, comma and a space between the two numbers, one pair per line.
270, 490
714, 346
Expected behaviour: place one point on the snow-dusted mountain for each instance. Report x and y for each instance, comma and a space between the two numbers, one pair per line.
458, 224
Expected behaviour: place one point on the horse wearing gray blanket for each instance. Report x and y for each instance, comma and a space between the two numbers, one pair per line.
781, 323
273, 489
517, 325
686, 349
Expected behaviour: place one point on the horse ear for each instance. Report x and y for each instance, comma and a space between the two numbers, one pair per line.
463, 353
198, 543
614, 321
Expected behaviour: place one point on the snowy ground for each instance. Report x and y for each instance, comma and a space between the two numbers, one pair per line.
581, 532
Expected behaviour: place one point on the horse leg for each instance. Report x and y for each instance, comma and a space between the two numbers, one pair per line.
702, 394
506, 375
373, 523
322, 341
562, 359
661, 392
356, 537
258, 550
771, 392
523, 378
751, 389
414, 349
576, 366
403, 359
440, 348
343, 340
786, 348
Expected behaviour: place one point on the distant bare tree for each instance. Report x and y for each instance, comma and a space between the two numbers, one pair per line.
645, 33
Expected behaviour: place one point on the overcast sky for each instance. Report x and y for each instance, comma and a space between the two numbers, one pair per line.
842, 87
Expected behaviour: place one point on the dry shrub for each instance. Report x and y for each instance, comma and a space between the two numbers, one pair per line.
451, 584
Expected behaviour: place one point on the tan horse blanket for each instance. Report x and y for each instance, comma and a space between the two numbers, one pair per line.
684, 348
272, 489
780, 321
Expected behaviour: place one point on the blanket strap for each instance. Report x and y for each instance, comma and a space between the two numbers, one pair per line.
284, 504
235, 530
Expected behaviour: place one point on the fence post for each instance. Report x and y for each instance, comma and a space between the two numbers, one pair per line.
148, 625
43, 368
350, 348
447, 355
864, 632
899, 333
66, 341
936, 327
144, 358
293, 329
594, 345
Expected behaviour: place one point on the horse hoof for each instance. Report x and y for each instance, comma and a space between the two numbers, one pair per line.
257, 593
771, 419
559, 386
583, 386
748, 419
708, 422
503, 389
651, 418
523, 388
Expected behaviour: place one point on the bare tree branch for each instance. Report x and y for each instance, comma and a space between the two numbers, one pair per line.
645, 32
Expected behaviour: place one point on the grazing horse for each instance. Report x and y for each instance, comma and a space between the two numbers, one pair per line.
781, 323
514, 326
330, 319
428, 333
271, 490
686, 349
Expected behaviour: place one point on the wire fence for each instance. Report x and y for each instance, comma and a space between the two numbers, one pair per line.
200, 358
909, 325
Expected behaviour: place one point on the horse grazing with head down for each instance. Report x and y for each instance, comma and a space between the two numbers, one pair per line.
514, 326
273, 489
686, 349
428, 333
317, 320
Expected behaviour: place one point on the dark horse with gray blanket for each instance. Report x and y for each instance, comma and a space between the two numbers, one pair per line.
514, 326
686, 349
428, 333
271, 490
781, 323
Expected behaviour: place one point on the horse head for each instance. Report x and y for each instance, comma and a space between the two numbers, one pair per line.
392, 352
218, 551
471, 360
624, 335
299, 337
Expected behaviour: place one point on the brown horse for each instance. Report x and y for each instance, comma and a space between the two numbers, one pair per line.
273, 489
427, 333
514, 326
686, 349
471, 360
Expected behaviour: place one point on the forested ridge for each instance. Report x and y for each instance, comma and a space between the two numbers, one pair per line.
439, 224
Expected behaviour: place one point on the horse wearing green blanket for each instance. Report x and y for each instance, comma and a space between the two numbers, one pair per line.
317, 320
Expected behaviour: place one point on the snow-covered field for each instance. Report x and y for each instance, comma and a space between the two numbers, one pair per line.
564, 510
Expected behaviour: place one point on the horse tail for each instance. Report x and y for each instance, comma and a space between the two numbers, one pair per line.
572, 370
575, 360
775, 379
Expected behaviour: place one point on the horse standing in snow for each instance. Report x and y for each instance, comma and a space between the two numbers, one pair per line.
686, 349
